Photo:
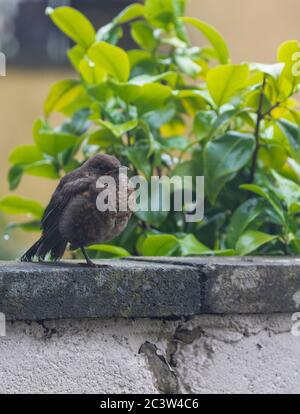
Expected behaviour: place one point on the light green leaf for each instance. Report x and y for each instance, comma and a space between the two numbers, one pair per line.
190, 246
213, 36
126, 91
152, 96
289, 54
44, 168
74, 24
75, 55
118, 129
223, 158
224, 81
142, 80
159, 12
13, 204
50, 141
250, 241
142, 34
25, 154
160, 245
61, 95
91, 73
112, 251
131, 12
111, 58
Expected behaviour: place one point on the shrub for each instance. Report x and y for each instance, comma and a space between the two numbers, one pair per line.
168, 107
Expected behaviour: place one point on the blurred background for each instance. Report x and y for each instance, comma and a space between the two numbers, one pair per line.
35, 52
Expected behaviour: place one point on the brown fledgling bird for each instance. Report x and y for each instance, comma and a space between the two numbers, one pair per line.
72, 215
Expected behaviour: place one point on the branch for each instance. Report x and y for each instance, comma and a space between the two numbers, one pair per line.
260, 117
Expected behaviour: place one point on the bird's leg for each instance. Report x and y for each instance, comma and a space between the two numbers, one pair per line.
88, 260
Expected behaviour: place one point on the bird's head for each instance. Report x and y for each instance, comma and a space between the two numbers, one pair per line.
103, 164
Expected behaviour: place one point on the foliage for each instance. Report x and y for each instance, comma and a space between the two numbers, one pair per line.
168, 107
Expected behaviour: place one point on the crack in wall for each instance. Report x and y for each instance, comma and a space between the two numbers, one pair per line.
165, 378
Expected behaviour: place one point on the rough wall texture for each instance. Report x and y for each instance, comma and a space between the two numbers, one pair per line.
207, 354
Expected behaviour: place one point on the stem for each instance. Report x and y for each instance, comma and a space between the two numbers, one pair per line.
268, 112
260, 117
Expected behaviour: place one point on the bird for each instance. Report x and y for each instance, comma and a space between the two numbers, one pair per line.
72, 216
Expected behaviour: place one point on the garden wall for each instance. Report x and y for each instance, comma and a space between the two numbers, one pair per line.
151, 326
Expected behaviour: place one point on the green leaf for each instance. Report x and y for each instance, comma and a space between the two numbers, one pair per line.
126, 91
159, 12
142, 34
118, 129
160, 245
223, 158
178, 143
292, 132
251, 241
138, 156
289, 54
13, 204
213, 36
112, 251
28, 226
203, 122
190, 246
50, 141
131, 12
104, 138
25, 154
289, 192
75, 55
61, 95
224, 81
160, 116
112, 59
263, 193
91, 73
14, 176
187, 65
273, 70
74, 24
44, 168
110, 33
152, 96
246, 214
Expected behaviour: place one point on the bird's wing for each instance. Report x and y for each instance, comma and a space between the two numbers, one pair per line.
60, 199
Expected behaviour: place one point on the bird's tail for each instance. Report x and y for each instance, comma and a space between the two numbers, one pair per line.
58, 250
51, 243
29, 255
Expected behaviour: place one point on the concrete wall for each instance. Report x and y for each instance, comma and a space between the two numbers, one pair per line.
208, 354
151, 325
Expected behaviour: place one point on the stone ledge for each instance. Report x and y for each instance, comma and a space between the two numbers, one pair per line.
150, 288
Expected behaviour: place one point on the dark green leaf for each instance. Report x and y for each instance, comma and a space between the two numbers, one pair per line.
223, 158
